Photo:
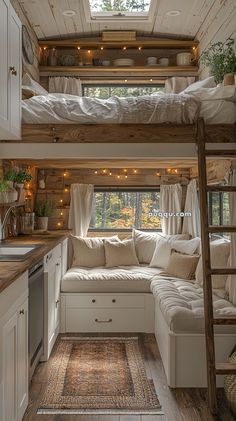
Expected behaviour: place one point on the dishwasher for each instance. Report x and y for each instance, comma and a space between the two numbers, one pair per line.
36, 315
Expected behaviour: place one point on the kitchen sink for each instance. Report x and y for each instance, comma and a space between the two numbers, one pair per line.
19, 252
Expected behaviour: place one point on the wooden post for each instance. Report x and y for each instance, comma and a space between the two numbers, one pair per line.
206, 264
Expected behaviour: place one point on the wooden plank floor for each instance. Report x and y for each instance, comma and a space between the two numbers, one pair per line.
177, 404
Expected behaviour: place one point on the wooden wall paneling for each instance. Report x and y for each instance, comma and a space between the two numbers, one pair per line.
33, 69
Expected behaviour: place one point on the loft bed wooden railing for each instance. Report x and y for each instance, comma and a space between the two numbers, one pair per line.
125, 133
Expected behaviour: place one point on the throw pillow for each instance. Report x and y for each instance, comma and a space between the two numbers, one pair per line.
120, 253
182, 265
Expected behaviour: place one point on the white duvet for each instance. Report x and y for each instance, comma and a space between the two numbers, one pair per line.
63, 108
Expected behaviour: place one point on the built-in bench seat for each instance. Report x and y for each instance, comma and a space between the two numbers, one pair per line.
179, 330
120, 279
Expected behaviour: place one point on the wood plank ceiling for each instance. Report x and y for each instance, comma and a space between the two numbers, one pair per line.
48, 21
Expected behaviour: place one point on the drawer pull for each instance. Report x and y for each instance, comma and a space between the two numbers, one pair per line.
103, 321
114, 300
93, 300
13, 71
22, 311
57, 264
57, 302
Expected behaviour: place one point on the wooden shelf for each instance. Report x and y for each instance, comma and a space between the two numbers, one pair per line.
97, 43
132, 71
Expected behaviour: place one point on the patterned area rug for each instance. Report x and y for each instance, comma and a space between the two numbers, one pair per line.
98, 375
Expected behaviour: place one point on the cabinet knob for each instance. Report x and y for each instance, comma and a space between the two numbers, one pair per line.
22, 311
13, 71
57, 302
114, 300
93, 300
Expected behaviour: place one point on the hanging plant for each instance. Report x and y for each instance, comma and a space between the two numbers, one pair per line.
220, 58
23, 176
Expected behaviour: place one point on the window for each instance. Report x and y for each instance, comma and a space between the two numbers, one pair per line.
126, 209
119, 9
106, 91
219, 208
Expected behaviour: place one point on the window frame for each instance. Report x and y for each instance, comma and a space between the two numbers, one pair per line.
114, 189
221, 208
120, 16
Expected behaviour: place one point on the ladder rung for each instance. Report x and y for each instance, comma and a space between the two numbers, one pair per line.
224, 320
218, 188
223, 271
220, 152
221, 228
225, 368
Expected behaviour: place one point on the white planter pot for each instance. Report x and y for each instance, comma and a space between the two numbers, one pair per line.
10, 184
4, 197
43, 222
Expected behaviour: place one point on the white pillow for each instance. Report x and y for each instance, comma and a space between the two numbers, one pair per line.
164, 246
227, 93
29, 83
205, 83
120, 253
145, 243
220, 250
182, 265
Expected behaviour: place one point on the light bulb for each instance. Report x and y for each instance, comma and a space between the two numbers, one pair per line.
95, 172
102, 47
124, 48
140, 48
78, 48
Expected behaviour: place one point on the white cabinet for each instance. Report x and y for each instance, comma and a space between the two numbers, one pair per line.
52, 282
10, 72
14, 350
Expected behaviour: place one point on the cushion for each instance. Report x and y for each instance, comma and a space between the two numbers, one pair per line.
88, 252
220, 250
205, 83
145, 243
116, 279
227, 93
182, 305
164, 246
121, 253
30, 84
182, 265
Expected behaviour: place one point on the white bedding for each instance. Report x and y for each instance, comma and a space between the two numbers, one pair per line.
68, 109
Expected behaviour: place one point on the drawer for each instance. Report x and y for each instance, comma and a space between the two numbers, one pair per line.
105, 320
105, 301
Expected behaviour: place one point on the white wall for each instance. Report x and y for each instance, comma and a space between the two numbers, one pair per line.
219, 24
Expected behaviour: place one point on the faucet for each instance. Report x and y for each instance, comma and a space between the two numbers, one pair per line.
5, 219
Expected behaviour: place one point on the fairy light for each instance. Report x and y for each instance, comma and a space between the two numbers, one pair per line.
126, 175
89, 51
140, 48
175, 171
78, 48
126, 80
158, 174
104, 171
168, 170
118, 176
151, 80
61, 200
45, 48
110, 173
135, 171
66, 190
61, 214
96, 172
102, 48
59, 224
124, 48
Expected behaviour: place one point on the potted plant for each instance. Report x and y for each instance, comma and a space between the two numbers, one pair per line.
3, 192
43, 210
220, 58
22, 177
10, 178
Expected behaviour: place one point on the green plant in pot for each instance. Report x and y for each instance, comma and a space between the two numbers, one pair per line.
3, 192
10, 177
220, 58
43, 210
22, 177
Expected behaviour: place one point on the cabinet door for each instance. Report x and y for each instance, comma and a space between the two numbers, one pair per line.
10, 369
4, 69
57, 292
51, 275
15, 74
22, 359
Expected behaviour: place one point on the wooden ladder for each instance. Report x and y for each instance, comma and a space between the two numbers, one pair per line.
210, 321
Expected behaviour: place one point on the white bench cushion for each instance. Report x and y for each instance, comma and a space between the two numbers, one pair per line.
181, 303
102, 279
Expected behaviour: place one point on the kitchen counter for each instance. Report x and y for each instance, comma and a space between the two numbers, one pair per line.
10, 271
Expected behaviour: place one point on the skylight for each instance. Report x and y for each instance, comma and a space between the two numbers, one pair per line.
120, 9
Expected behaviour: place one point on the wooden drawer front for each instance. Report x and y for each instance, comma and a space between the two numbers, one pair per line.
105, 301
105, 320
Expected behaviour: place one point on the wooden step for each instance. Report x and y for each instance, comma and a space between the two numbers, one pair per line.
221, 228
225, 368
224, 320
221, 188
220, 152
223, 271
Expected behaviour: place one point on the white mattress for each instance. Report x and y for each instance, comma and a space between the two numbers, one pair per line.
117, 279
218, 112
66, 109
181, 303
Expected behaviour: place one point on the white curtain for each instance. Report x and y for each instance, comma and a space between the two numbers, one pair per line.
175, 85
231, 281
65, 85
81, 204
191, 224
170, 203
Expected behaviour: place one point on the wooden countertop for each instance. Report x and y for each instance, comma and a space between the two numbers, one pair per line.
10, 271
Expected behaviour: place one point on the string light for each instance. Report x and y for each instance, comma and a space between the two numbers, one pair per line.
102, 47
135, 171
110, 173
151, 80
140, 48
104, 171
59, 224
78, 48
89, 51
61, 200
118, 176
175, 171
45, 48
158, 174
126, 80
124, 48
126, 175
66, 190
168, 170
61, 213
96, 172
